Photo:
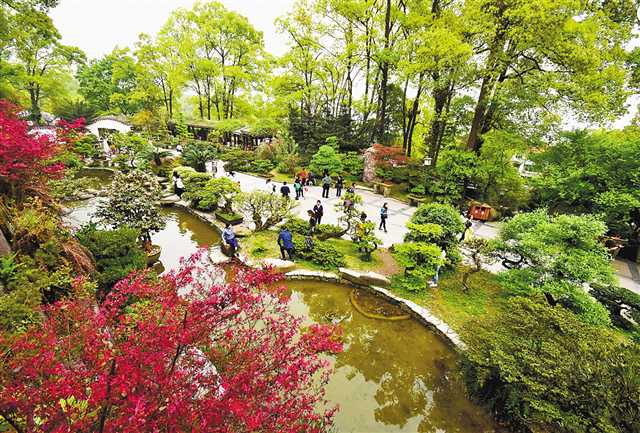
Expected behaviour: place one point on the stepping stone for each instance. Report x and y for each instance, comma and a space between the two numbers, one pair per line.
170, 199
279, 264
242, 231
351, 275
373, 278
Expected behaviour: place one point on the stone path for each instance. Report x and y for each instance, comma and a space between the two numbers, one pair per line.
399, 215
399, 212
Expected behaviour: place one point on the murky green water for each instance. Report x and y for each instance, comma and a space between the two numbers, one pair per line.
393, 376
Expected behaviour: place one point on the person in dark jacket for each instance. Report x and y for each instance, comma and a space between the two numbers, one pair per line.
285, 190
312, 221
285, 241
339, 185
318, 211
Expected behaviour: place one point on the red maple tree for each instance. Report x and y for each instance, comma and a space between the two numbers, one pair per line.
181, 353
25, 159
388, 156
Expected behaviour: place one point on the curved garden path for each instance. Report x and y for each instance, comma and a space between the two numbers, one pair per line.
399, 215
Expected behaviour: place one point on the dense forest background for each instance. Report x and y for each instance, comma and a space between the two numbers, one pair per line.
421, 75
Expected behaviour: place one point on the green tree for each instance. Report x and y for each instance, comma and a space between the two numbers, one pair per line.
419, 260
265, 209
326, 159
41, 57
586, 172
529, 51
539, 368
556, 256
132, 201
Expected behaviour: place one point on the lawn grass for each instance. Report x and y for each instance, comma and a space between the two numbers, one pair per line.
450, 302
261, 245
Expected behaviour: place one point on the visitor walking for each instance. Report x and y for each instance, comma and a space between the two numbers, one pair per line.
312, 221
352, 189
285, 241
178, 185
285, 190
326, 185
229, 238
384, 213
436, 278
339, 185
297, 186
268, 186
318, 211
311, 179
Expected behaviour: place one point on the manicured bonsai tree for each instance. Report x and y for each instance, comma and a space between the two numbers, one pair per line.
132, 200
326, 158
265, 209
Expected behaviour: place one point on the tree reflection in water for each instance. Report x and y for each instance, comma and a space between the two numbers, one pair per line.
393, 376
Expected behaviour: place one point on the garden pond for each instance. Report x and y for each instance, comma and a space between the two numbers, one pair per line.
393, 376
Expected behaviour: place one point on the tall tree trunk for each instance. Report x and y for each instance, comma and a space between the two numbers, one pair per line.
384, 82
413, 117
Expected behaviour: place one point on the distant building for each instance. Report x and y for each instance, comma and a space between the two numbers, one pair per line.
108, 123
524, 166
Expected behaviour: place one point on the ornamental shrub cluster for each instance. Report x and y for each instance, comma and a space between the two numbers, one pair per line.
541, 369
116, 252
322, 253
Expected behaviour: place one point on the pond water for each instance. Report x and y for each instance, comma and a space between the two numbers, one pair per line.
393, 376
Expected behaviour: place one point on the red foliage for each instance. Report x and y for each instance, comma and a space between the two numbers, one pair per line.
25, 159
68, 132
386, 156
182, 354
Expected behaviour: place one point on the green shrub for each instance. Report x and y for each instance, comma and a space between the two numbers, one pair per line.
353, 165
197, 153
323, 254
297, 225
194, 184
237, 159
215, 191
539, 368
446, 216
327, 158
420, 260
261, 166
117, 253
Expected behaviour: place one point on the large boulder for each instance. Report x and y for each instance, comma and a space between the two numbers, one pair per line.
279, 264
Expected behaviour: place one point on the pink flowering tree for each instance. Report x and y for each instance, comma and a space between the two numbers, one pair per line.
186, 352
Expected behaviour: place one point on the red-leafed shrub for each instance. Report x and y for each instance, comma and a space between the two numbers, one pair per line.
386, 156
186, 353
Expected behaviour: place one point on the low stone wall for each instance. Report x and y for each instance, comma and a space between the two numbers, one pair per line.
422, 314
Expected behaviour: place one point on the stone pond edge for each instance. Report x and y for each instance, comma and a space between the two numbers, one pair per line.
422, 314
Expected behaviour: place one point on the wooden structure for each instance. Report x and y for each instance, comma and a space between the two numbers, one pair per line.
480, 211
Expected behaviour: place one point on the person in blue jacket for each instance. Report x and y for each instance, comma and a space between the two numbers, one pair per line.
285, 241
229, 237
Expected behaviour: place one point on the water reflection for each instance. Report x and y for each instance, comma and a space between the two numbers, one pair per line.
392, 376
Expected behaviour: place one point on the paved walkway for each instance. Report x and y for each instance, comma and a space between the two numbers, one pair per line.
399, 215
399, 212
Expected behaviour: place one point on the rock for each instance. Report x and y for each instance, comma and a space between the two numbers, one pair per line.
226, 249
92, 191
279, 264
216, 256
85, 196
242, 231
350, 275
169, 200
373, 278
